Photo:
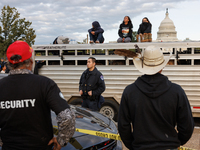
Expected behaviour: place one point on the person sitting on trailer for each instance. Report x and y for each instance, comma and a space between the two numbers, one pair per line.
125, 30
144, 31
96, 33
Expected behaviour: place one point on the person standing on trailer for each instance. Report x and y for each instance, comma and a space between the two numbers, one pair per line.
91, 85
154, 113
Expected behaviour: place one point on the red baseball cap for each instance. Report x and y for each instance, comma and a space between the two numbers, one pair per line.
19, 48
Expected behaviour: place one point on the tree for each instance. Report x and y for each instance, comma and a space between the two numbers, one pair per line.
84, 41
13, 28
134, 34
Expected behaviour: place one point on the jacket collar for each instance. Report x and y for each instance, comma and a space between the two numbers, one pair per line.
20, 71
91, 72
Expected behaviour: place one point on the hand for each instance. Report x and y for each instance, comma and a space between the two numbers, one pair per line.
55, 144
140, 34
123, 39
90, 93
93, 32
81, 92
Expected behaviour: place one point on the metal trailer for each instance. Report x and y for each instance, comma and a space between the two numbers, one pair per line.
66, 62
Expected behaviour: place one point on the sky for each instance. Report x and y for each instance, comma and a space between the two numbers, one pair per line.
73, 18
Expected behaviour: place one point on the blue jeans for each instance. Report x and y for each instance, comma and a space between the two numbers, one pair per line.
97, 37
126, 40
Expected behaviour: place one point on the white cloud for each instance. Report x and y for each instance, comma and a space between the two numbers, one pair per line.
148, 5
52, 18
169, 5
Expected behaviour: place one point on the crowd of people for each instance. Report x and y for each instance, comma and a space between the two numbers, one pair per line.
154, 113
124, 32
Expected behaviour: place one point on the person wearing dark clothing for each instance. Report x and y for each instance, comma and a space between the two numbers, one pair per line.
91, 85
25, 106
144, 31
153, 106
96, 33
38, 65
55, 41
1, 63
7, 69
125, 30
3, 67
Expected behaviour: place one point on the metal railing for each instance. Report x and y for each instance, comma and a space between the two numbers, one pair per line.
166, 47
117, 77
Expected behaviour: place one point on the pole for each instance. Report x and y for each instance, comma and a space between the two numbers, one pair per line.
87, 38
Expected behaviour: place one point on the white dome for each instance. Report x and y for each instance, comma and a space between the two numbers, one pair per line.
167, 30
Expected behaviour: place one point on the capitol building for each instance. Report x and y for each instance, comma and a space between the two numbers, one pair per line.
167, 30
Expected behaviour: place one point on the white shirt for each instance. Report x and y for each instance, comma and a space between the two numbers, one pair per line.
2, 71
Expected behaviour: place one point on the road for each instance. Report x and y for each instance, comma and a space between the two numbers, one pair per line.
194, 142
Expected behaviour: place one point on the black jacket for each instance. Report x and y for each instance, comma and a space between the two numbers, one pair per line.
154, 106
92, 81
144, 28
127, 28
38, 65
26, 102
97, 28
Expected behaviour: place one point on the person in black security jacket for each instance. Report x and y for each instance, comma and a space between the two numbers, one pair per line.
125, 30
144, 31
91, 85
154, 106
26, 102
96, 33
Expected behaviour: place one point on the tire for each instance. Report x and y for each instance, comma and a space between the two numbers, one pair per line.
77, 102
110, 109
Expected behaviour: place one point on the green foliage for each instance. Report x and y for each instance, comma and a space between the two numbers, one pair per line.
13, 28
84, 41
134, 34
66, 41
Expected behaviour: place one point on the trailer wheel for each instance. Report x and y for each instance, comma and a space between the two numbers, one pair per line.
77, 102
110, 109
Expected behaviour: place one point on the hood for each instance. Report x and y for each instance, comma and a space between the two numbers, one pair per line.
89, 120
153, 85
82, 140
129, 24
96, 24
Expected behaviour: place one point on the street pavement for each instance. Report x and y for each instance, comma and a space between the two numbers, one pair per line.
193, 143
